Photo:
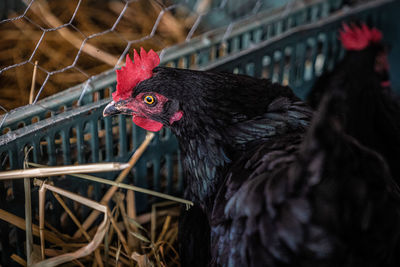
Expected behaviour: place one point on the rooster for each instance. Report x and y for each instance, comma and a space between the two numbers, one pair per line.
269, 190
370, 112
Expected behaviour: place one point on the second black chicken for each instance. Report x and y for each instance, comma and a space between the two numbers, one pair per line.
369, 111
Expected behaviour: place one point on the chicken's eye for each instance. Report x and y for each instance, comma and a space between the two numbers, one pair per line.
149, 100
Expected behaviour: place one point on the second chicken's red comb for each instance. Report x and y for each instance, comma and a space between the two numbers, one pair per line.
134, 72
358, 38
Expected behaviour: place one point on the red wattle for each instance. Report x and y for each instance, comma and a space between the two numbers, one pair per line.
147, 124
176, 117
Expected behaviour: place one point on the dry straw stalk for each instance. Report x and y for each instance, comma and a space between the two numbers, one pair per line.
92, 245
135, 157
62, 170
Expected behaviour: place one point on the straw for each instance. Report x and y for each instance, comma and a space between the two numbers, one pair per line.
28, 213
20, 223
62, 170
44, 12
91, 246
134, 188
18, 259
135, 157
77, 223
27, 186
32, 93
120, 235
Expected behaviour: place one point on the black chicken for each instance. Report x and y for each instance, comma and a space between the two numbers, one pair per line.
264, 194
370, 112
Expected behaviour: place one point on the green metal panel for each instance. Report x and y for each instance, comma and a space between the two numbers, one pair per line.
304, 42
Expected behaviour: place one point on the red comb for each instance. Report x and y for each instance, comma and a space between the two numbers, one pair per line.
135, 72
356, 38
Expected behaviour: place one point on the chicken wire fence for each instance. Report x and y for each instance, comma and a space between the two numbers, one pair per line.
124, 24
291, 44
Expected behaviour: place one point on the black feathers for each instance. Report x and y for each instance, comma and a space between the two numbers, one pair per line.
269, 189
368, 110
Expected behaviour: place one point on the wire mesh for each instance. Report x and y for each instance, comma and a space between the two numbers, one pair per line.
72, 41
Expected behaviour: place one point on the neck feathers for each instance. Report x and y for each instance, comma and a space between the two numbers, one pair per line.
209, 149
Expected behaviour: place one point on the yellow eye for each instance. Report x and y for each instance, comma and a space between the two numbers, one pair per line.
149, 99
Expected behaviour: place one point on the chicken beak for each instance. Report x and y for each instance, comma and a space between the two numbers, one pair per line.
110, 110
